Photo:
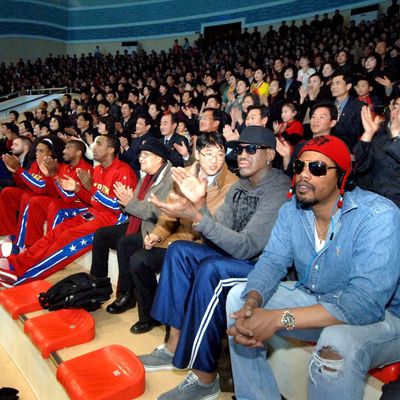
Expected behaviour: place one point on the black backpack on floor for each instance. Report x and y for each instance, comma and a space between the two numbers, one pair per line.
79, 290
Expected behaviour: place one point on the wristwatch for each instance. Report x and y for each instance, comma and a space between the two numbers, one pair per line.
288, 320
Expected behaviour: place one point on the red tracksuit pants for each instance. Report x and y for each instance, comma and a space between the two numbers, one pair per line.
62, 245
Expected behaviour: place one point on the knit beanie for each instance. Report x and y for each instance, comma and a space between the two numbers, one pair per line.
337, 151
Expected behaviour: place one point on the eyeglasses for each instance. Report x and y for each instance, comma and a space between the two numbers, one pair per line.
143, 154
250, 149
205, 117
209, 156
316, 168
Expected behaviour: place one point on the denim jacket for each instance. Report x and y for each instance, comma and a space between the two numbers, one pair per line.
356, 276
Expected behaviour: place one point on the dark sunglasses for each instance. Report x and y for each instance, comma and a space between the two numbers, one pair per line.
316, 168
250, 148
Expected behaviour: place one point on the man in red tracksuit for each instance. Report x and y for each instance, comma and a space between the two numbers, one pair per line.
29, 183
38, 210
74, 236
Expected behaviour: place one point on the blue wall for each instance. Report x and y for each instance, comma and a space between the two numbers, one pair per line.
106, 20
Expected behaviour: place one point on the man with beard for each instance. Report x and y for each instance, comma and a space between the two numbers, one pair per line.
20, 149
344, 246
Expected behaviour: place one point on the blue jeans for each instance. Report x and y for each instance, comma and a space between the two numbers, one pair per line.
360, 347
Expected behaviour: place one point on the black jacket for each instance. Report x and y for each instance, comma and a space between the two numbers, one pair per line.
349, 126
378, 165
176, 158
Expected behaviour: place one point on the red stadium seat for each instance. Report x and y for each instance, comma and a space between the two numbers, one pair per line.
112, 372
24, 298
388, 373
59, 329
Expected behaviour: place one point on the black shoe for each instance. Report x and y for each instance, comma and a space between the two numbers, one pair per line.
124, 302
143, 327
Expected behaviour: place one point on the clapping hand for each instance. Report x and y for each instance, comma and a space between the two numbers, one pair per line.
193, 188
230, 134
371, 124
181, 149
178, 207
69, 184
11, 162
85, 178
50, 165
124, 194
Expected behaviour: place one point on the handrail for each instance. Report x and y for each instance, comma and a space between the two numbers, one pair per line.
29, 92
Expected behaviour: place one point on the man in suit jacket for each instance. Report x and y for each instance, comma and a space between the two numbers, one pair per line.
127, 124
168, 126
349, 125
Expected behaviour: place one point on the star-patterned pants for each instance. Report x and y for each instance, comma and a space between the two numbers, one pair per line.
37, 210
62, 245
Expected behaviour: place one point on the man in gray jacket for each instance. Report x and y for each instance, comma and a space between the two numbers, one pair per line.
143, 216
196, 278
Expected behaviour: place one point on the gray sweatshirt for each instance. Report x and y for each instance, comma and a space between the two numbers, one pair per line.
243, 223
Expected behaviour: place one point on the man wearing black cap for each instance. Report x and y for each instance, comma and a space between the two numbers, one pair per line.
143, 216
344, 246
196, 278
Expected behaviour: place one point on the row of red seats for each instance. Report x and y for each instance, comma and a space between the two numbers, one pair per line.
112, 372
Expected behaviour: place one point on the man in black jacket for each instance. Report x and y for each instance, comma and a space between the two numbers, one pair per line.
170, 137
349, 125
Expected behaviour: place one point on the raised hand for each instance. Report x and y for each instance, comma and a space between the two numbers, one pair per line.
124, 194
181, 149
85, 178
192, 187
124, 143
89, 138
69, 184
51, 165
179, 207
303, 94
187, 111
65, 138
11, 162
385, 81
284, 149
42, 167
230, 134
371, 124
276, 125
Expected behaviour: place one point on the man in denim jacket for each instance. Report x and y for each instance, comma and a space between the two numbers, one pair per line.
345, 248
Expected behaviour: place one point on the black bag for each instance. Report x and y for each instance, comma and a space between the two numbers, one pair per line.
79, 290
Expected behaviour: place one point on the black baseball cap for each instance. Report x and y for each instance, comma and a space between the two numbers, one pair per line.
255, 135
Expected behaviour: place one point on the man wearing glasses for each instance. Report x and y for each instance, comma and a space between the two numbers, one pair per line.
344, 246
196, 278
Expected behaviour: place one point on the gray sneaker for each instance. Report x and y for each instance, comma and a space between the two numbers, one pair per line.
159, 360
192, 389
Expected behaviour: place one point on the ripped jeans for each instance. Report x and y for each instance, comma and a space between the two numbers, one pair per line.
360, 348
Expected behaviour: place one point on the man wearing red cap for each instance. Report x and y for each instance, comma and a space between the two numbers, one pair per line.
344, 246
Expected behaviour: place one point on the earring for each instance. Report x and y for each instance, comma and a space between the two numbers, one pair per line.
268, 163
